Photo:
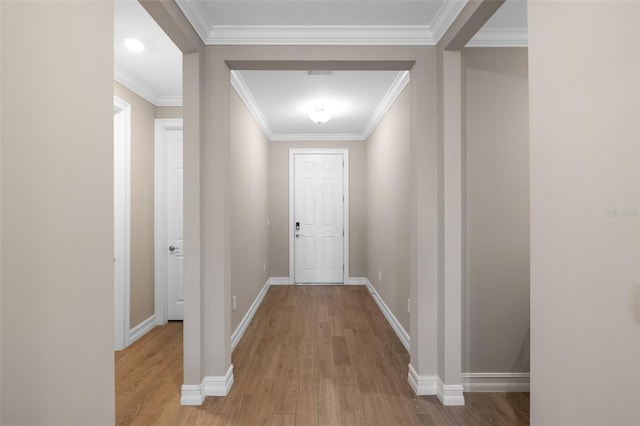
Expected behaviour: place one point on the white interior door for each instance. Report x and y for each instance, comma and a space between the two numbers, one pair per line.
175, 236
318, 218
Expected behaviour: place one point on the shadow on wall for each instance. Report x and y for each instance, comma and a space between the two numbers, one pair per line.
522, 361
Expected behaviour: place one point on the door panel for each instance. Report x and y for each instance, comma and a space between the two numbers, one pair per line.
318, 207
175, 235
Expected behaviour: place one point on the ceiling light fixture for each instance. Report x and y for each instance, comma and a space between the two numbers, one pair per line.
134, 45
319, 115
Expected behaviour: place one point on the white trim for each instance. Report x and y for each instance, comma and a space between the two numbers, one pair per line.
240, 85
279, 281
421, 385
141, 329
210, 386
450, 395
402, 334
345, 220
286, 137
500, 37
143, 90
197, 17
396, 88
122, 221
192, 394
449, 11
246, 320
357, 281
218, 385
162, 126
496, 382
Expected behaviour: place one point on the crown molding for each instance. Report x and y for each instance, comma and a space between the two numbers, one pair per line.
197, 17
448, 12
142, 90
423, 35
495, 37
319, 35
389, 98
241, 88
289, 137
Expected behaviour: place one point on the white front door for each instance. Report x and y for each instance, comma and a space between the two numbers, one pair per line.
175, 236
318, 218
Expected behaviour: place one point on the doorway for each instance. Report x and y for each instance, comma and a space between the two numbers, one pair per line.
318, 216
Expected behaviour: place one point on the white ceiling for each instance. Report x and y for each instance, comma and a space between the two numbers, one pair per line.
280, 99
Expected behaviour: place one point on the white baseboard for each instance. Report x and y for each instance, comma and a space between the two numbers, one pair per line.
210, 386
241, 328
141, 329
357, 281
402, 334
496, 382
279, 281
422, 385
451, 395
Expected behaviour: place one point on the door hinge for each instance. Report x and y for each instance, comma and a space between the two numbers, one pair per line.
342, 235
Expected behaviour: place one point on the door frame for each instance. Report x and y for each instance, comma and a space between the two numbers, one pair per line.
161, 252
122, 221
345, 219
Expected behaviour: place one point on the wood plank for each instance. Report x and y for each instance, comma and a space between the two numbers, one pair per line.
311, 355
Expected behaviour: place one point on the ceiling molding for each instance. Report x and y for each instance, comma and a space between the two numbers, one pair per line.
493, 37
448, 12
303, 137
141, 89
423, 35
197, 17
319, 35
389, 98
243, 91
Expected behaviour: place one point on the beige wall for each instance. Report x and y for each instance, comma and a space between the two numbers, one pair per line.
249, 194
585, 183
279, 203
57, 213
496, 291
142, 209
388, 180
168, 112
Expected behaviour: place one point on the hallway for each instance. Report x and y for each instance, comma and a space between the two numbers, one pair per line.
313, 355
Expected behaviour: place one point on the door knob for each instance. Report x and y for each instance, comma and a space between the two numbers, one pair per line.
299, 235
172, 249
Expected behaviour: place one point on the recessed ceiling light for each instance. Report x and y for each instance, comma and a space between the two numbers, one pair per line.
319, 115
134, 45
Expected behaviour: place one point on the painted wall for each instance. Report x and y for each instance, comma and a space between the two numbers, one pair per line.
142, 208
249, 194
585, 182
279, 204
388, 179
168, 112
496, 290
57, 213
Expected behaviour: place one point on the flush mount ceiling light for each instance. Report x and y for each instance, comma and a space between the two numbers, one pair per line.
134, 45
319, 115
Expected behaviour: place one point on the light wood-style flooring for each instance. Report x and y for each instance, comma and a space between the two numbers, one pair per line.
313, 355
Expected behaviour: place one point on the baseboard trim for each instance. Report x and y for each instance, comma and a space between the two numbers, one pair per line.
421, 385
141, 329
450, 395
279, 281
210, 386
242, 327
496, 382
357, 281
402, 334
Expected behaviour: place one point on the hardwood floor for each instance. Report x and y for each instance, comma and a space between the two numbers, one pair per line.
313, 355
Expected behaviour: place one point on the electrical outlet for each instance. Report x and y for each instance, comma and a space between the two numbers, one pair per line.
409, 305
379, 276
268, 223
233, 302
264, 267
